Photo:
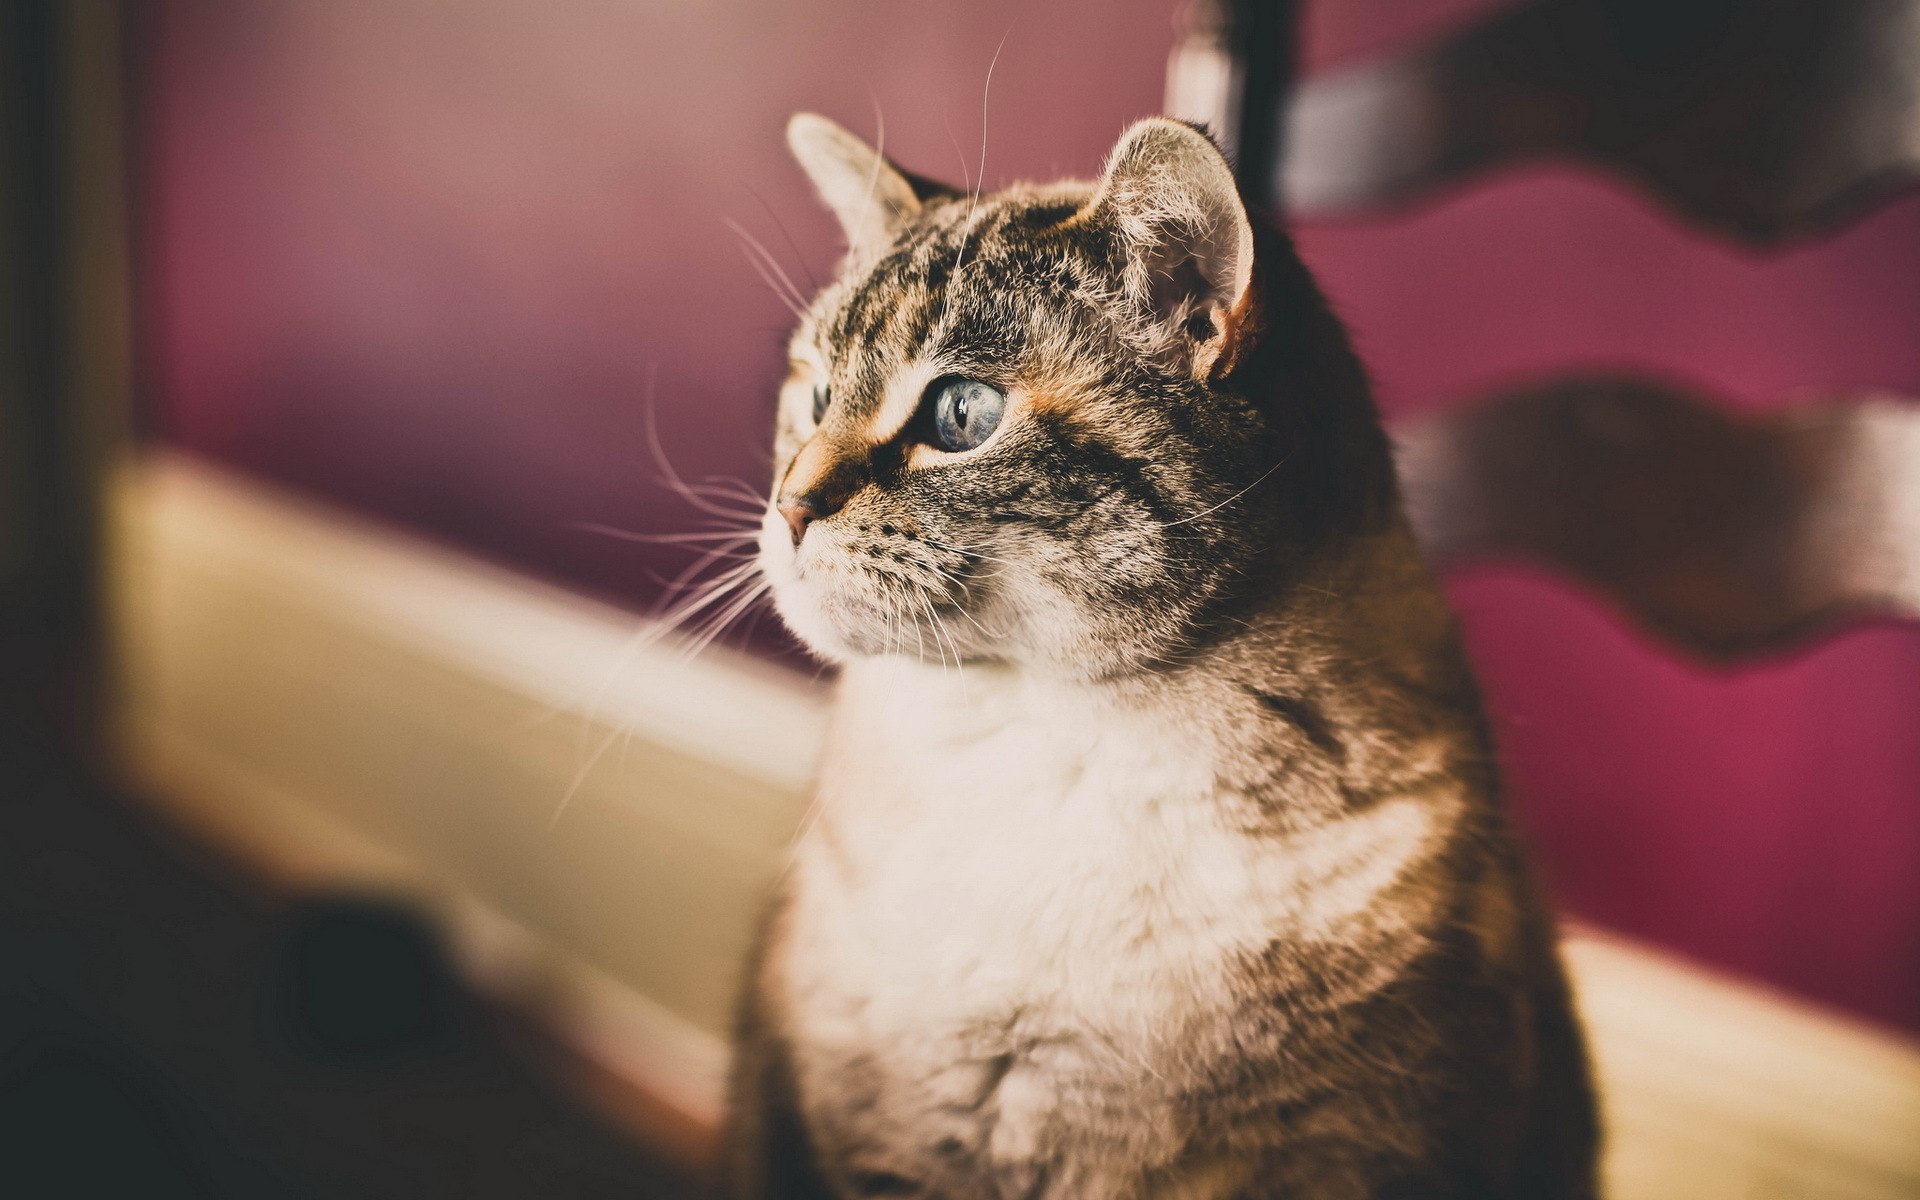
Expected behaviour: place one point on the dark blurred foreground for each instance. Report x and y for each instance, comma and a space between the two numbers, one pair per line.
164, 1033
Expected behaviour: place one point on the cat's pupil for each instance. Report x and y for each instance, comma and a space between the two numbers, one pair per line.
821, 398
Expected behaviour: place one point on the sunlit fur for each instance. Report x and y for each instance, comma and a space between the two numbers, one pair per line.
1157, 850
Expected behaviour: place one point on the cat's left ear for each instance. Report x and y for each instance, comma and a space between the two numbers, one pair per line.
871, 198
1171, 194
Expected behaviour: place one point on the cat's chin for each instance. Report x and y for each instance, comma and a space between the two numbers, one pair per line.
833, 626
841, 628
839, 621
815, 631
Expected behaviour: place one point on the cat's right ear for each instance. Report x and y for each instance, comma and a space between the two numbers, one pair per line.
1171, 195
872, 198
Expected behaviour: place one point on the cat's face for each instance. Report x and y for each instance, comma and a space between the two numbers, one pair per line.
1001, 436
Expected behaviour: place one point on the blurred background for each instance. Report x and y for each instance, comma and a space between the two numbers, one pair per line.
362, 835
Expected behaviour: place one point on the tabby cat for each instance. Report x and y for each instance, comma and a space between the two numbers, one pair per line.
1158, 849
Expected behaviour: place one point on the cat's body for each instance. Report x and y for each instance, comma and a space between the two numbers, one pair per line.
1223, 908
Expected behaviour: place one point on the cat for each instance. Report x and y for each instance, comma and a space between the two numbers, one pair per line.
1157, 849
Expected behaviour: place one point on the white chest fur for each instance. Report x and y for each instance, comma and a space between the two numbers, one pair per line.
1023, 899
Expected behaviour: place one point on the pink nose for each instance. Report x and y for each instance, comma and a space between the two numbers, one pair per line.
800, 513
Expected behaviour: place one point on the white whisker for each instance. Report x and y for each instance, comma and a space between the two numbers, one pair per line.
788, 286
663, 539
695, 496
769, 271
966, 168
951, 548
979, 187
580, 776
787, 235
986, 94
879, 161
718, 624
731, 485
689, 577
1264, 475
646, 636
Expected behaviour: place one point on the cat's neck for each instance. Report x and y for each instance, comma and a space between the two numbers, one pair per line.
1345, 683
1371, 614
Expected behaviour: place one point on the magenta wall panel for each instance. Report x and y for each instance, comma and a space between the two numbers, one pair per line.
433, 260
438, 261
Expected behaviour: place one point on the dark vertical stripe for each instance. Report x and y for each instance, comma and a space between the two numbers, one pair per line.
1262, 36
1305, 717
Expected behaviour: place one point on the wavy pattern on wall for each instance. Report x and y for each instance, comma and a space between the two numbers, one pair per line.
1725, 536
1762, 120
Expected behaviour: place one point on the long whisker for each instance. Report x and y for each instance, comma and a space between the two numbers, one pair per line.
926, 609
920, 630
739, 489
686, 580
953, 139
730, 580
742, 515
879, 159
719, 623
799, 259
940, 630
971, 619
979, 187
720, 497
727, 581
1264, 475
680, 585
650, 432
662, 539
986, 93
791, 289
950, 547
580, 777
940, 623
791, 305
769, 270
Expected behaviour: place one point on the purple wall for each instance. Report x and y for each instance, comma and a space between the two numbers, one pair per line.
431, 261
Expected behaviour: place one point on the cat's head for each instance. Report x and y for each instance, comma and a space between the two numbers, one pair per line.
1015, 425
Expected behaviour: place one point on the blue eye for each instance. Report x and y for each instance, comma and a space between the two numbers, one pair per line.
965, 413
821, 398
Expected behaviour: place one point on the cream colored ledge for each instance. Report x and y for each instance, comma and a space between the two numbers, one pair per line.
595, 816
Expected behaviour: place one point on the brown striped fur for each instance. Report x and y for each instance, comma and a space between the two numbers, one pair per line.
1158, 849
